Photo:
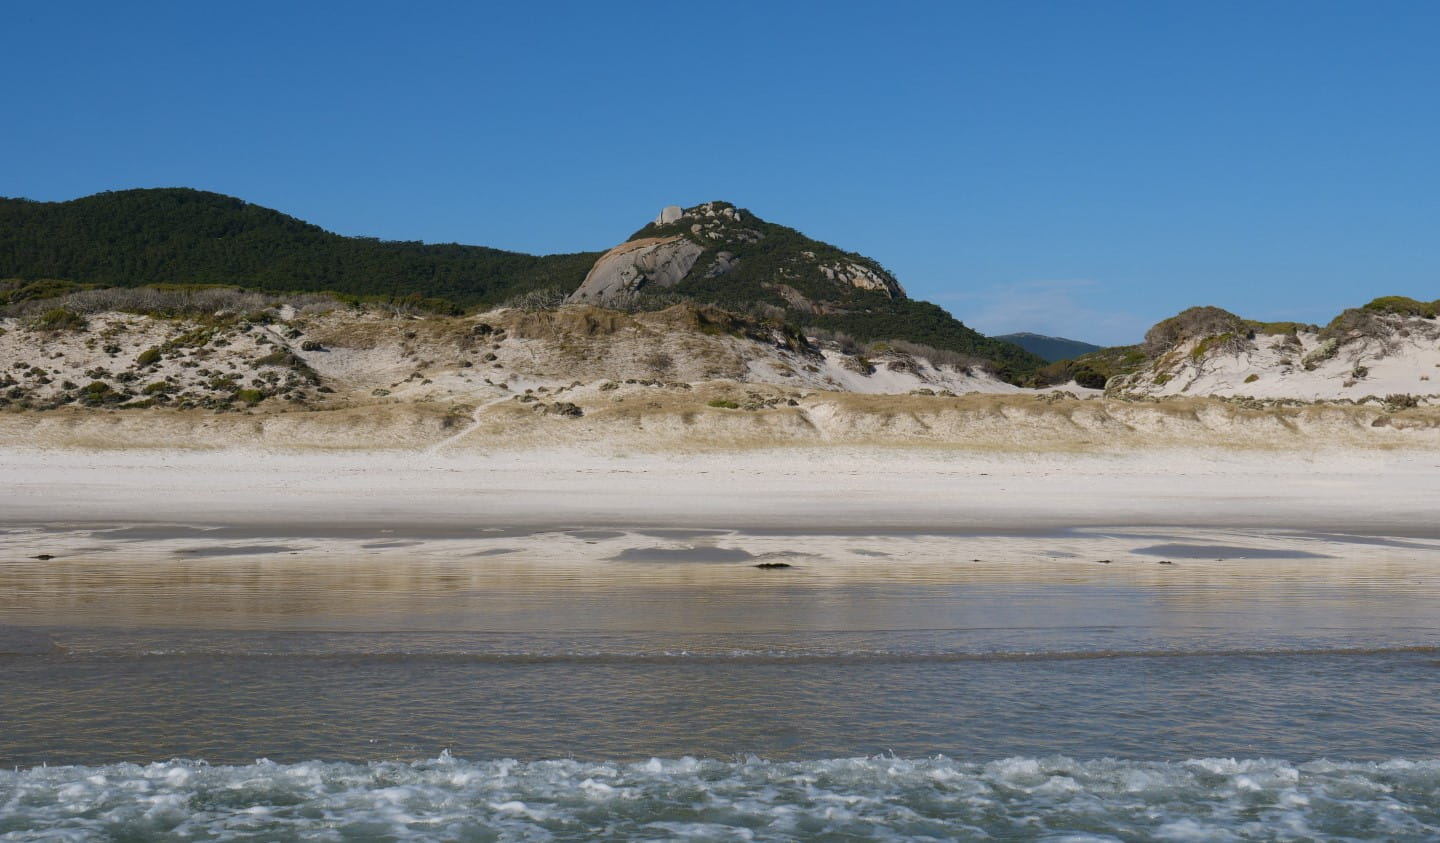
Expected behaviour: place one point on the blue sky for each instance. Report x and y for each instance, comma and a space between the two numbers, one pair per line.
1076, 168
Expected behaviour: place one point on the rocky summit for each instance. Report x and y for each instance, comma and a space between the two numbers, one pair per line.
669, 252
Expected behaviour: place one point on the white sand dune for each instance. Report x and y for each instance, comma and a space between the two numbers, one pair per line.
1395, 355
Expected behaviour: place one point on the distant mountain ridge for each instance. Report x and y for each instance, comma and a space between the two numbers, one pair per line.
730, 257
1050, 349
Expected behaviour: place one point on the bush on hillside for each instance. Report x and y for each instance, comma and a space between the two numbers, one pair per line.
173, 301
1289, 329
1404, 306
1190, 324
1357, 323
59, 319
1092, 370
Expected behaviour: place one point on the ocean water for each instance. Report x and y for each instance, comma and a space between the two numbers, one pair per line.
879, 798
261, 696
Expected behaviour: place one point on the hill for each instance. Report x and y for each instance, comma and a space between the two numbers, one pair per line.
131, 238
735, 260
1050, 349
716, 253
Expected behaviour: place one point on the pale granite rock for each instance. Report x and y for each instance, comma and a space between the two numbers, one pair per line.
625, 269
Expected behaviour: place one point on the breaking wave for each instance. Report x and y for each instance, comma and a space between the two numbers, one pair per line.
871, 798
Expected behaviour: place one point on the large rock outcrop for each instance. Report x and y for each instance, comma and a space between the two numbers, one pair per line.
650, 261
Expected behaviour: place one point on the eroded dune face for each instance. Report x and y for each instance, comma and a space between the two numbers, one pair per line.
652, 415
685, 377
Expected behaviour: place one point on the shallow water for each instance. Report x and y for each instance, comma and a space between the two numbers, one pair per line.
886, 697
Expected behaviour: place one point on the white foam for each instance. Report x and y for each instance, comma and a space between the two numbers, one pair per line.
881, 798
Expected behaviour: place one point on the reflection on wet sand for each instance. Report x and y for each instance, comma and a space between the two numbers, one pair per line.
965, 588
1221, 552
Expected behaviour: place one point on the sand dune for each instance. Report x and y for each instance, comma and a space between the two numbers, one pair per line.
727, 415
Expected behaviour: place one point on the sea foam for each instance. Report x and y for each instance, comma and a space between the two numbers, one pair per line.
874, 798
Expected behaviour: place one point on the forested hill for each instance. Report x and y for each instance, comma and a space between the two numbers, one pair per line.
183, 236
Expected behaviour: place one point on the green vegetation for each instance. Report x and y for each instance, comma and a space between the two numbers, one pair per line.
928, 324
768, 254
1093, 370
777, 273
1225, 341
723, 403
1355, 323
1369, 321
207, 304
1213, 327
97, 393
194, 338
180, 236
59, 319
1191, 324
13, 290
1279, 328
1404, 306
277, 358
148, 357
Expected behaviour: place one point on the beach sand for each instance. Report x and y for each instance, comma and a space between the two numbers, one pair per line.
731, 506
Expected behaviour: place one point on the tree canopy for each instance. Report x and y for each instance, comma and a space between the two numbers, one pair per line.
182, 236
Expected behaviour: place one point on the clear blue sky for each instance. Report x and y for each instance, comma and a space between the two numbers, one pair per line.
1077, 168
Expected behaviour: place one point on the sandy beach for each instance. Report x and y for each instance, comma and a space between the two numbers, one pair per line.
802, 488
782, 500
